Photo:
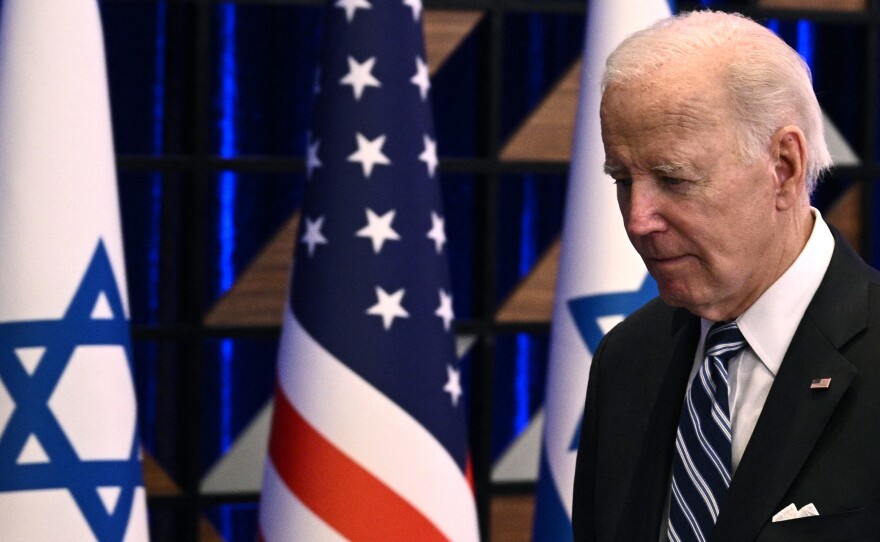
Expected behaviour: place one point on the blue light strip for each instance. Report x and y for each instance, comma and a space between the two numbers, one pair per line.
806, 40
228, 190
159, 77
158, 146
773, 25
155, 220
528, 252
522, 383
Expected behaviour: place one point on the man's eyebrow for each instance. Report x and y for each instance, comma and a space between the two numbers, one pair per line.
673, 167
611, 169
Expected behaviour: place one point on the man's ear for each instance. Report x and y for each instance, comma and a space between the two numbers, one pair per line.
788, 150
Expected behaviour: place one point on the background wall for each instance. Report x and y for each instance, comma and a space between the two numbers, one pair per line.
210, 107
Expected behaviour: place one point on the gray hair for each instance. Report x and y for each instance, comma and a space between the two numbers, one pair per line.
769, 83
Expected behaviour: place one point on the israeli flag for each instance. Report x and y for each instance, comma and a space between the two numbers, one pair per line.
70, 466
601, 277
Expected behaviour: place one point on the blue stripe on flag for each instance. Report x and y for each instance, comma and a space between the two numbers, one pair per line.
551, 520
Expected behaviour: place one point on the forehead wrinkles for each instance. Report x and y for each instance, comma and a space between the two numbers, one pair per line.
664, 120
696, 113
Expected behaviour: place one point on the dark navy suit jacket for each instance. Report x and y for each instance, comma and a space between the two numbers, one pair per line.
809, 446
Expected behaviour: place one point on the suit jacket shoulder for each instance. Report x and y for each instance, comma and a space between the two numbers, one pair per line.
635, 392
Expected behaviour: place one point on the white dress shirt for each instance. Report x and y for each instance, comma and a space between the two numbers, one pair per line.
768, 326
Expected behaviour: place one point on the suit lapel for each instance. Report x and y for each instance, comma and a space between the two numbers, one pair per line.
791, 421
650, 455
795, 415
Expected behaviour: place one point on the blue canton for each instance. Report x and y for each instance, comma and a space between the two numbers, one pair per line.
587, 310
371, 277
32, 415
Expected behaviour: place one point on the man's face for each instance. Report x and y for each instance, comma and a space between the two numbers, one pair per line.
702, 221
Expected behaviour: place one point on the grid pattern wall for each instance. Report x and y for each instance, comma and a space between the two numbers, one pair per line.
210, 105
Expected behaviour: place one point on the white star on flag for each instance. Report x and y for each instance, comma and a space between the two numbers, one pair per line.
453, 384
358, 335
360, 76
312, 160
445, 309
351, 5
388, 306
313, 235
429, 155
420, 79
379, 229
416, 6
437, 232
369, 153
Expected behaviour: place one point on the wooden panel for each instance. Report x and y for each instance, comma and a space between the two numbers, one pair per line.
207, 532
511, 519
823, 5
547, 133
156, 480
532, 300
258, 298
444, 32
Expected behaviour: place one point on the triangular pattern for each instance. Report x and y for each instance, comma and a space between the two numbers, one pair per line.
532, 299
32, 452
7, 406
257, 298
109, 497
102, 310
444, 32
30, 357
608, 322
519, 463
156, 480
546, 135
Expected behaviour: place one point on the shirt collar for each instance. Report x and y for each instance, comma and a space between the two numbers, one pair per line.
770, 323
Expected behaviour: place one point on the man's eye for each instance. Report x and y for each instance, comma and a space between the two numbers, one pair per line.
672, 181
623, 183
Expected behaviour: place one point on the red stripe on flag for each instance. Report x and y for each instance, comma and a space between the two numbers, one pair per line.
469, 472
335, 488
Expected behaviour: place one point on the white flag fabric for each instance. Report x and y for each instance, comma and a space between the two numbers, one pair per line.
70, 465
601, 278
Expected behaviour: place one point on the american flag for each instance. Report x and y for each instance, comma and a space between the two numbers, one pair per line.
368, 438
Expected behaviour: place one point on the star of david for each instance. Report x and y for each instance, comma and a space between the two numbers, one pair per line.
587, 311
33, 416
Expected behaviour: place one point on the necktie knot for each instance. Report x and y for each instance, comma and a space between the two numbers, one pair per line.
724, 341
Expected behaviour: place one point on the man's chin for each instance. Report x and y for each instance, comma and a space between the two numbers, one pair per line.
674, 297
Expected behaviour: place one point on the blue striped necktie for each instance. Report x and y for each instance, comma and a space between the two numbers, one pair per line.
701, 469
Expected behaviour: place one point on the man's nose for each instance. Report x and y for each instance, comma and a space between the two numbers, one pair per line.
642, 212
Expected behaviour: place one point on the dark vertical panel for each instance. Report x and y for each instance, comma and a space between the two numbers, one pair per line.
538, 50
456, 95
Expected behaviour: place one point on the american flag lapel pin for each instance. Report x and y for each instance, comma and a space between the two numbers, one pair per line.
820, 384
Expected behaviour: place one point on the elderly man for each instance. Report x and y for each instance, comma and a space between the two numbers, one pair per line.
744, 403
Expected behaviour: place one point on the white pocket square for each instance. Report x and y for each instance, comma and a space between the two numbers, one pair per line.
791, 512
